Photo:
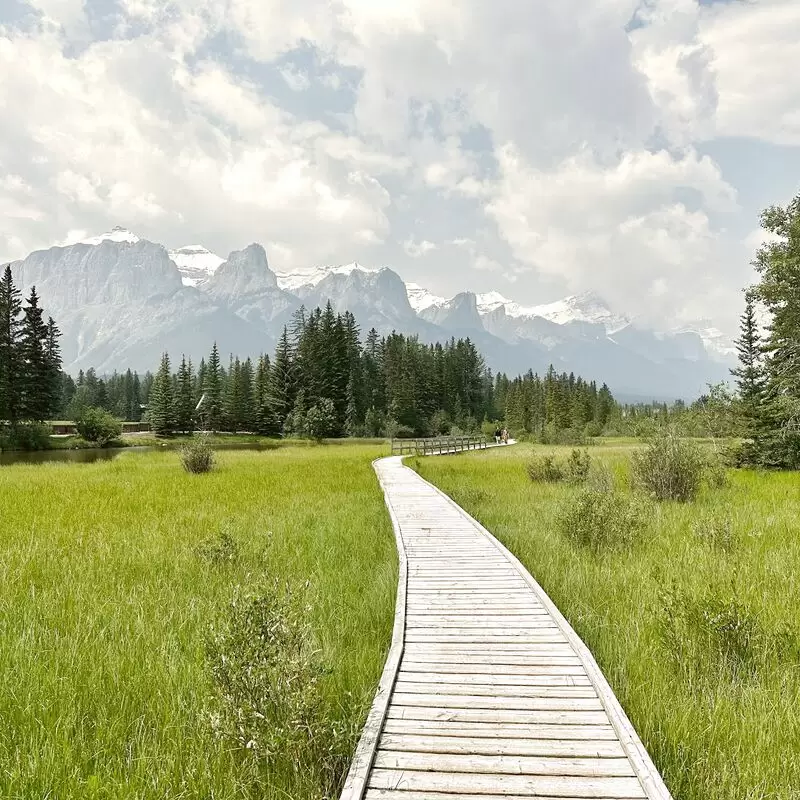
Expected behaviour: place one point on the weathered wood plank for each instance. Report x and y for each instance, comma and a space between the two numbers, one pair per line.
478, 745
531, 785
504, 764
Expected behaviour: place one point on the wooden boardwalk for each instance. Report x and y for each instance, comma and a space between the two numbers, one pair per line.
487, 692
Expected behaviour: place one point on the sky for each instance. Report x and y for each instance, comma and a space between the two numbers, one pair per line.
532, 148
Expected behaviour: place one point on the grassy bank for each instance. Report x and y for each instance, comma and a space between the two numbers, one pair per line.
106, 601
696, 627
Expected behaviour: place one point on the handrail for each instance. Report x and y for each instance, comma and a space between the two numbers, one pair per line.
437, 445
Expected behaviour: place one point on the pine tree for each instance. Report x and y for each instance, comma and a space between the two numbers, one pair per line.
750, 376
56, 400
352, 427
10, 357
211, 409
778, 263
36, 375
161, 403
282, 385
184, 397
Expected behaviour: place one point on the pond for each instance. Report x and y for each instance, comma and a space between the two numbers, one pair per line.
108, 454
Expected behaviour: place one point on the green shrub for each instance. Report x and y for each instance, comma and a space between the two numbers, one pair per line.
549, 469
716, 471
98, 426
669, 467
545, 469
25, 436
578, 466
715, 635
221, 549
197, 456
719, 533
564, 436
267, 676
600, 519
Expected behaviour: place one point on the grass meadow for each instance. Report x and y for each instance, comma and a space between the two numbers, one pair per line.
106, 601
696, 626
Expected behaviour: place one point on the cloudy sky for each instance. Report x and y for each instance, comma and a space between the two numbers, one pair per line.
536, 148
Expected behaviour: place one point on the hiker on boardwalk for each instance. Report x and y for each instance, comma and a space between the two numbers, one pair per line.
497, 435
504, 436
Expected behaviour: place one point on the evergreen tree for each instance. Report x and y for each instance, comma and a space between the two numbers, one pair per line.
778, 264
36, 376
10, 356
211, 410
184, 397
54, 388
161, 403
750, 376
282, 386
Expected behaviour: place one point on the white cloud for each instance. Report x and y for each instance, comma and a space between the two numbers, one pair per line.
418, 249
620, 230
151, 131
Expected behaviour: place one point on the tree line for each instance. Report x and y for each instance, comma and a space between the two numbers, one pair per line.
323, 381
30, 361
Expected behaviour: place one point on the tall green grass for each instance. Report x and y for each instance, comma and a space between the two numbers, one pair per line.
696, 625
107, 592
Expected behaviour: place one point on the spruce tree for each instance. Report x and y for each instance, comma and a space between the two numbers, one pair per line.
778, 263
750, 376
184, 397
282, 385
211, 409
161, 403
10, 356
35, 370
55, 384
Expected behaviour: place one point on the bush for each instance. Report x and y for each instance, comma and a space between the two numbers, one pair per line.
197, 456
221, 549
545, 469
719, 533
669, 467
578, 466
716, 635
716, 471
602, 519
569, 436
269, 700
25, 436
320, 420
548, 469
98, 426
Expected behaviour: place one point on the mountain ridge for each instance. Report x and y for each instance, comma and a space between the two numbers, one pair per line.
120, 297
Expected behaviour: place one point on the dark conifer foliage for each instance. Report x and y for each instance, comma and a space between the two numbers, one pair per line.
31, 382
323, 381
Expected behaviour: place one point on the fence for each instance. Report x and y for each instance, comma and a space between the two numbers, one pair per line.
438, 445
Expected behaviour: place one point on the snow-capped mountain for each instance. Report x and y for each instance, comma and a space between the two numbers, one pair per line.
421, 298
196, 264
307, 280
121, 301
117, 234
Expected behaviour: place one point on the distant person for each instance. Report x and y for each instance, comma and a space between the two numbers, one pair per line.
497, 435
504, 436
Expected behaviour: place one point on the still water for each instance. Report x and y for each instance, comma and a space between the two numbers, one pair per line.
109, 454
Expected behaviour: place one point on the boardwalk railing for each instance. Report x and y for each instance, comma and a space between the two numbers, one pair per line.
436, 445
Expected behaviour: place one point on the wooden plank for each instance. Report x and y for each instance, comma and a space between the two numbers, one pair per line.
531, 785
500, 730
504, 764
491, 690
498, 715
478, 745
401, 794
492, 679
501, 666
494, 702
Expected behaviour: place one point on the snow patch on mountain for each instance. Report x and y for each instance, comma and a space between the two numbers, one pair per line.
420, 298
195, 263
292, 281
117, 234
585, 307
717, 344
